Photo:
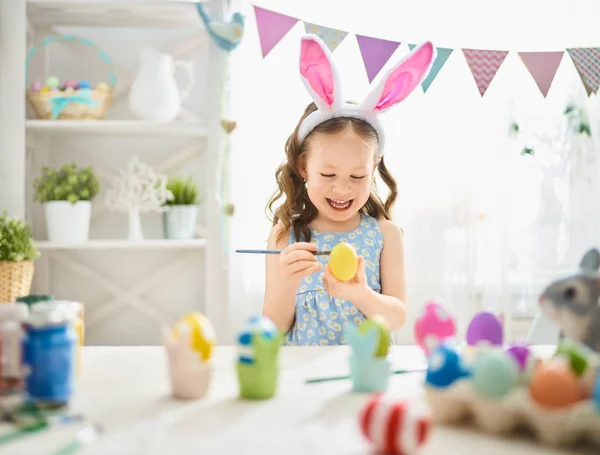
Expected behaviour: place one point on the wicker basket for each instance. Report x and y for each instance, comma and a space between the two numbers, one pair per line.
81, 104
15, 279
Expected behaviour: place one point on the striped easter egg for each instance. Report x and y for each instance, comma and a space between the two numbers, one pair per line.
396, 427
256, 325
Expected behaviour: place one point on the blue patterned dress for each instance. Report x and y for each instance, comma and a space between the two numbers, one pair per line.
321, 319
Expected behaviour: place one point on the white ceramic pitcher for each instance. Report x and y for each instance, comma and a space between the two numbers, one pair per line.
154, 94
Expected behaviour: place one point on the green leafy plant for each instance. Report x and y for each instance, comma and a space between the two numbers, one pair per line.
185, 191
69, 183
16, 240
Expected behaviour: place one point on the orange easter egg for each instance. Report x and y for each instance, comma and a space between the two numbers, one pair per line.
554, 385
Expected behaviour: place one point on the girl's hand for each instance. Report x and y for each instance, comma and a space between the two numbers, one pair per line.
297, 261
352, 290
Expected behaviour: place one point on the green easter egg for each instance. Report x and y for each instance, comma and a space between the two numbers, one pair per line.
52, 82
494, 375
384, 335
575, 354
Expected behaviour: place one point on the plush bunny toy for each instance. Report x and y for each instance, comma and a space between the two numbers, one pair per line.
572, 302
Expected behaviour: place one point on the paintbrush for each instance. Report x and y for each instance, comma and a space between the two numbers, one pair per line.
339, 378
316, 253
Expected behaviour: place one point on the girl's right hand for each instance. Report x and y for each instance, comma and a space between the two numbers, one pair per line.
297, 261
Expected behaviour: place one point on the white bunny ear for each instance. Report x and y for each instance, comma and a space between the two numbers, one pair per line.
319, 73
401, 80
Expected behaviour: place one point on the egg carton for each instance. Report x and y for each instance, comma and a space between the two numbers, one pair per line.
555, 427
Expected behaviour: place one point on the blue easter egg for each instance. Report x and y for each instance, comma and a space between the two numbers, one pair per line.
83, 84
445, 367
495, 374
256, 325
596, 393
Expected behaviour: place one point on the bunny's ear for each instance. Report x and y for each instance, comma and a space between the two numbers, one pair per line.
318, 73
401, 80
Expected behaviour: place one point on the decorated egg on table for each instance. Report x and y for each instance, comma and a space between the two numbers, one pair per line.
343, 261
83, 84
71, 84
36, 86
378, 323
435, 325
256, 326
576, 355
520, 353
52, 82
198, 329
395, 427
102, 86
445, 366
495, 374
555, 385
485, 329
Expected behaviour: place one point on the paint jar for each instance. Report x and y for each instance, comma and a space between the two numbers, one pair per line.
12, 316
50, 354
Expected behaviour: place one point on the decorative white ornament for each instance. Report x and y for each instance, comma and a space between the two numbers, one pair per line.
136, 189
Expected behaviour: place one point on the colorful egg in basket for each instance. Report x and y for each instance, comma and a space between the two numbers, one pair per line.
256, 326
200, 333
435, 325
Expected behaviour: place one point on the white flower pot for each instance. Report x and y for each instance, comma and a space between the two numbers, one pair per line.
179, 221
68, 223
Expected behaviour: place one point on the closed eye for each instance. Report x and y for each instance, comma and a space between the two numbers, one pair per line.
328, 176
355, 177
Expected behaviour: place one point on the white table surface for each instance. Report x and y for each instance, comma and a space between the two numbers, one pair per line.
126, 389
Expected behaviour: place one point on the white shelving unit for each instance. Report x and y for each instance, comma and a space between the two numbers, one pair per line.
20, 139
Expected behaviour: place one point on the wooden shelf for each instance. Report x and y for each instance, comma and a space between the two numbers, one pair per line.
178, 128
114, 13
124, 244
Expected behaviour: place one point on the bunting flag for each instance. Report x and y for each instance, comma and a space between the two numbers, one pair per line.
272, 27
330, 36
484, 65
375, 53
442, 55
542, 66
587, 63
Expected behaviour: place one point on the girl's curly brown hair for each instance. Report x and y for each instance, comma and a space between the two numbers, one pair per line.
297, 211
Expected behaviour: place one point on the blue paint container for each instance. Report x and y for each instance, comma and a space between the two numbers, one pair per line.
50, 354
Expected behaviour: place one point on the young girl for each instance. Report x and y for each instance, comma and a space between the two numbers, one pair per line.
330, 197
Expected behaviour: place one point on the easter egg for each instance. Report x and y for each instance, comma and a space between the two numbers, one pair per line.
554, 385
444, 367
343, 261
520, 353
485, 328
71, 84
596, 393
434, 325
45, 90
495, 374
52, 82
575, 354
200, 332
255, 326
69, 90
83, 84
103, 86
379, 323
395, 427
36, 87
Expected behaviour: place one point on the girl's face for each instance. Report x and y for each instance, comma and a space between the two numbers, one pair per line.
339, 170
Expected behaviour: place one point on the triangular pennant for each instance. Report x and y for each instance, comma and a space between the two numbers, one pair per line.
442, 55
587, 62
484, 65
272, 27
375, 53
542, 66
330, 36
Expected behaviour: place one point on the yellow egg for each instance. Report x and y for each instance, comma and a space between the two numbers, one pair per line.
343, 261
200, 332
103, 86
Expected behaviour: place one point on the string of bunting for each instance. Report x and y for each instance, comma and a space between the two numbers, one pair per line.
483, 63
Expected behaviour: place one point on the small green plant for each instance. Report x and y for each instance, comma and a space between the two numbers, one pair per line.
185, 191
16, 240
69, 183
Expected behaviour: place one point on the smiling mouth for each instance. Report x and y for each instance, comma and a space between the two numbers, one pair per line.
338, 204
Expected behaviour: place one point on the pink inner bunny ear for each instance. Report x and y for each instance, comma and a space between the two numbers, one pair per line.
317, 71
406, 76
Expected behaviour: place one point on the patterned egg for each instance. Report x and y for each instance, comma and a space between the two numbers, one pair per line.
554, 385
52, 82
256, 325
343, 261
395, 427
379, 323
445, 367
83, 84
435, 325
485, 328
103, 86
200, 332
36, 86
520, 353
72, 84
575, 354
495, 374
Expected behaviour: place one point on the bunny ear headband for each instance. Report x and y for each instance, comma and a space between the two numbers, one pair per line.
322, 82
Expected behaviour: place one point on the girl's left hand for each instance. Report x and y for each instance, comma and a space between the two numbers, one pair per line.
352, 290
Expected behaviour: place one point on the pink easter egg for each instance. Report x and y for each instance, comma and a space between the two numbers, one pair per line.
72, 84
435, 325
36, 86
395, 427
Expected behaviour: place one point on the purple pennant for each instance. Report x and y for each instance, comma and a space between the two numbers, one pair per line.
272, 27
375, 53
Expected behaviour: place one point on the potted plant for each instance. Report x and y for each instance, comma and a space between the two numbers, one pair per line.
17, 253
66, 195
181, 211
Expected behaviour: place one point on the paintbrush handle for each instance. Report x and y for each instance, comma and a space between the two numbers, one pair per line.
316, 253
339, 378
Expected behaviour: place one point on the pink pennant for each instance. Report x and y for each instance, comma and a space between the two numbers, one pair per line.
484, 65
542, 66
375, 53
272, 27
